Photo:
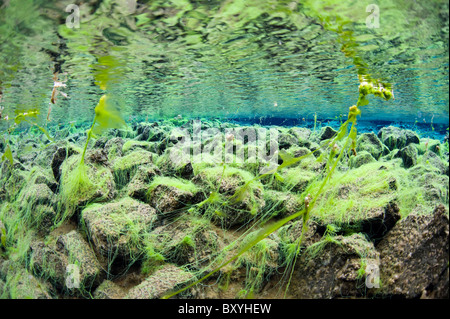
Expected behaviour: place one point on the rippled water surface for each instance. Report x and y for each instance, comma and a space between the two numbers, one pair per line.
227, 59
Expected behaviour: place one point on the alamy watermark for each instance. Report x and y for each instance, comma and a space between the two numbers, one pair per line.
255, 145
73, 19
72, 276
373, 20
372, 271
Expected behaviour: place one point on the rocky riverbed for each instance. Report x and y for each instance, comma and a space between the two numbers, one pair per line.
148, 223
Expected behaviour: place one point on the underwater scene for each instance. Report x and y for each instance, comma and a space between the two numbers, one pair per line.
224, 149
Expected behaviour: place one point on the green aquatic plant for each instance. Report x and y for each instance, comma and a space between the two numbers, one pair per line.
107, 116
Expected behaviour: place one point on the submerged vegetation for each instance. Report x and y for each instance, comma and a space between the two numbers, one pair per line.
109, 209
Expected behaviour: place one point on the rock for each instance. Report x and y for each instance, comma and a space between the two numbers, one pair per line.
109, 290
174, 161
431, 158
38, 207
361, 159
395, 137
60, 155
414, 256
20, 284
114, 148
168, 195
98, 156
286, 140
79, 253
370, 143
139, 184
187, 240
240, 197
149, 132
116, 229
409, 156
81, 185
302, 134
125, 167
161, 282
132, 145
54, 262
331, 268
283, 203
326, 133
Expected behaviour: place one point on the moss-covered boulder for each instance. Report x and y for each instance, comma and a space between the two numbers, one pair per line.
409, 156
361, 159
133, 145
37, 208
414, 257
113, 148
125, 167
82, 184
188, 240
161, 282
333, 267
370, 143
233, 195
109, 290
282, 203
53, 261
303, 136
19, 283
395, 137
116, 229
168, 194
140, 183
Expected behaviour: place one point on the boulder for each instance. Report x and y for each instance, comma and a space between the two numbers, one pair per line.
109, 290
395, 137
333, 267
361, 159
414, 256
116, 229
161, 282
139, 184
326, 133
409, 156
370, 143
53, 261
125, 167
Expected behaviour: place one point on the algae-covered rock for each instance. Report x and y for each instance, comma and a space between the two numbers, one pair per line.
395, 137
125, 167
113, 148
21, 284
38, 206
82, 184
109, 290
53, 261
361, 159
370, 143
409, 156
333, 268
160, 283
168, 194
187, 240
326, 133
59, 156
302, 134
133, 145
140, 183
414, 256
238, 197
116, 229
282, 203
